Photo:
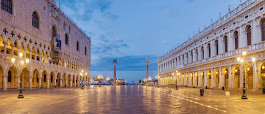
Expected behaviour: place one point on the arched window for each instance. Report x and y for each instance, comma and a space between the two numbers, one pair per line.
77, 46
35, 20
85, 50
236, 39
248, 30
9, 78
51, 78
54, 31
66, 39
226, 43
196, 52
263, 29
7, 6
191, 55
216, 47
202, 51
209, 49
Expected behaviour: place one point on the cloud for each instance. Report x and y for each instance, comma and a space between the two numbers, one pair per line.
107, 46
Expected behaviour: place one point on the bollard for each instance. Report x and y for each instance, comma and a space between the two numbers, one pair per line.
223, 88
176, 87
206, 87
201, 92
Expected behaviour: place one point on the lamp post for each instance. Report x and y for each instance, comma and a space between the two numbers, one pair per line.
242, 60
100, 78
21, 63
82, 81
107, 80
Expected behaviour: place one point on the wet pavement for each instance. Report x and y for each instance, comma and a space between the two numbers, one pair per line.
129, 100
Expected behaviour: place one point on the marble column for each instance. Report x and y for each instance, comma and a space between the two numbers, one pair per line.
5, 82
230, 77
212, 78
221, 78
30, 80
5, 43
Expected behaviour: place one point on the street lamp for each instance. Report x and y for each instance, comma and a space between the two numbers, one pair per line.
107, 80
242, 60
100, 78
21, 63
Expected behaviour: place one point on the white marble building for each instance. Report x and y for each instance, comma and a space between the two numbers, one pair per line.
210, 57
38, 32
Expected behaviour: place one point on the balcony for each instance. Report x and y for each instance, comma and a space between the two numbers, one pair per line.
231, 54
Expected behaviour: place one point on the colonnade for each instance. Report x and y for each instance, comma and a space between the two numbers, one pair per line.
227, 77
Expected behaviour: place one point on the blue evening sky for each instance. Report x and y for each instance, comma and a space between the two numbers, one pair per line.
131, 30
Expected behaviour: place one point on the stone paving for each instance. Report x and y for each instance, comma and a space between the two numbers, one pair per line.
129, 100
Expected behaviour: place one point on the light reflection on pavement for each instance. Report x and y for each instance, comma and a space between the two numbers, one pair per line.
128, 99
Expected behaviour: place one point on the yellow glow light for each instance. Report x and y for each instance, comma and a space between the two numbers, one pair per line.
27, 61
176, 71
248, 69
13, 60
235, 70
216, 72
85, 73
244, 53
22, 62
225, 71
209, 73
263, 67
238, 59
20, 54
253, 59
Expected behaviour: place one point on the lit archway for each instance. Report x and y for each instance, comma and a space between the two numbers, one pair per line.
12, 78
249, 77
226, 79
25, 78
216, 75
52, 79
44, 79
35, 79
236, 74
262, 75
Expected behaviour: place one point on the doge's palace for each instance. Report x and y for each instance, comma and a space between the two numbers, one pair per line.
41, 46
210, 58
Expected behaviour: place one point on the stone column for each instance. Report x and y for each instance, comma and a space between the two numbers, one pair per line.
255, 77
199, 79
242, 37
206, 52
115, 63
40, 76
61, 82
212, 78
48, 79
71, 82
5, 82
221, 78
18, 79
146, 62
75, 81
35, 54
30, 80
205, 79
230, 77
231, 41
258, 32
254, 36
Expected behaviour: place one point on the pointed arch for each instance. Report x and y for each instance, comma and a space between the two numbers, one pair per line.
35, 20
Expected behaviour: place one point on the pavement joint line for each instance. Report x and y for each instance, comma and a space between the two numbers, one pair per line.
26, 111
207, 106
